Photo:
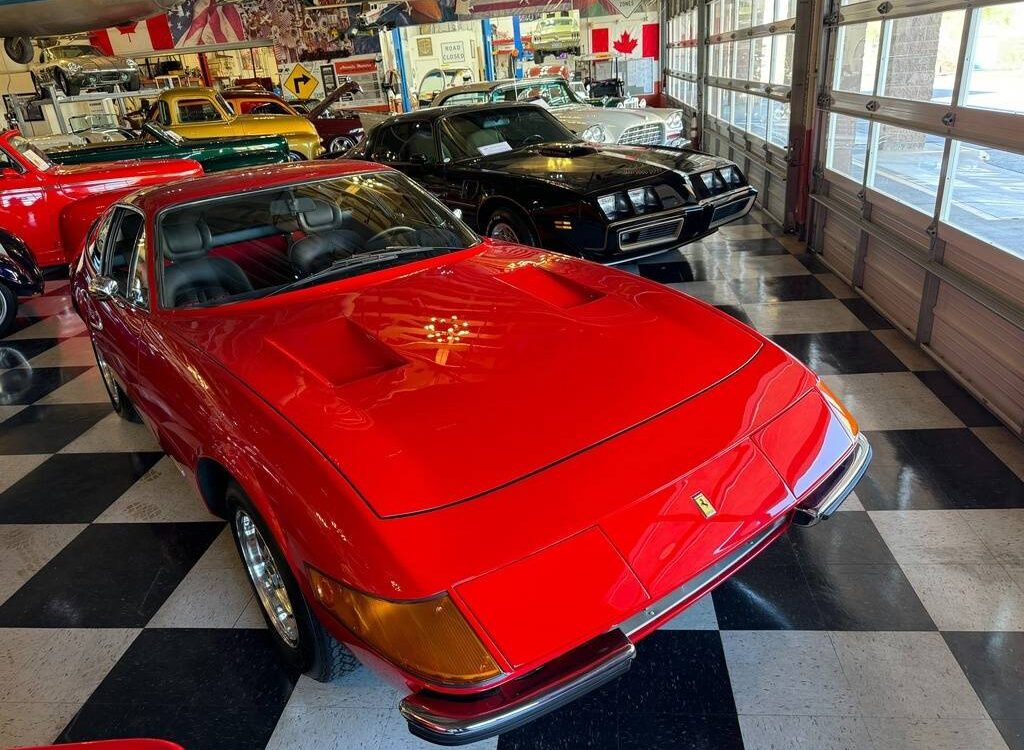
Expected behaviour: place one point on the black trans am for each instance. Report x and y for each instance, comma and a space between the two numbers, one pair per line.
517, 174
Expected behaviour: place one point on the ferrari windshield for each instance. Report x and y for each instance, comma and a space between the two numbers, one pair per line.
71, 51
492, 131
251, 245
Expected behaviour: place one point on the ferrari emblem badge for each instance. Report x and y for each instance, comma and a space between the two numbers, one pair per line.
704, 504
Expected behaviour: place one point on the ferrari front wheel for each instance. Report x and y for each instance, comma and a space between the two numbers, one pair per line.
300, 639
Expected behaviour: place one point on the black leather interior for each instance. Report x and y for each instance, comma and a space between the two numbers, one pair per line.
192, 276
326, 240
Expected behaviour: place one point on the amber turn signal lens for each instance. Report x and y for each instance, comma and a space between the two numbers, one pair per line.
840, 407
428, 638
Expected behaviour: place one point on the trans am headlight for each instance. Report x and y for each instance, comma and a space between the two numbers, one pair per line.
644, 199
429, 638
614, 206
674, 121
595, 134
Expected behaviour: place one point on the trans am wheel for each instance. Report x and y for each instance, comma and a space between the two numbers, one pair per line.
341, 144
8, 309
509, 226
301, 639
119, 400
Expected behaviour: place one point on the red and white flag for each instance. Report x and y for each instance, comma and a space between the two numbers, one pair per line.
625, 38
135, 38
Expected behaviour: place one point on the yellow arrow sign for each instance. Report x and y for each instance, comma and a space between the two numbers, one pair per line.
301, 82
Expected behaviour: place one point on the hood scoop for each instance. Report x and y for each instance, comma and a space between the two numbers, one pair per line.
552, 288
336, 354
566, 150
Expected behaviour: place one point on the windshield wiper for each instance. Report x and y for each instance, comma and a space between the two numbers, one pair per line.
344, 267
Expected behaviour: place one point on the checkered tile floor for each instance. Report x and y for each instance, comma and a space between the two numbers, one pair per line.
897, 624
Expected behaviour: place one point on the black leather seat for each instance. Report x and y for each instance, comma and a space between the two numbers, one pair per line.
193, 277
326, 240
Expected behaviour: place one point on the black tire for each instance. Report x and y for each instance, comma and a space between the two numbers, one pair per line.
119, 401
8, 309
65, 85
19, 49
505, 220
317, 652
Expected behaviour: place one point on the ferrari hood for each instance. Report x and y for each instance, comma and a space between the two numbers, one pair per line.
453, 380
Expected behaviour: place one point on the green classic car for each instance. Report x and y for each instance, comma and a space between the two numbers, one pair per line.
215, 154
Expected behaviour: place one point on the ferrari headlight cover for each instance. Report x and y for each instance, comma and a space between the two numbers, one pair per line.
840, 408
429, 638
595, 134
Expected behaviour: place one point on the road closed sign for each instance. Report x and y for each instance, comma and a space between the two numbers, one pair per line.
301, 82
453, 53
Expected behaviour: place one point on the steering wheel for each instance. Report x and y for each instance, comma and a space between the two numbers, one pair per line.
386, 234
533, 138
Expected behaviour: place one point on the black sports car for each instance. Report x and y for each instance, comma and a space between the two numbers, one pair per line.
517, 174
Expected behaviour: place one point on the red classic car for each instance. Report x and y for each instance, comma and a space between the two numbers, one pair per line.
485, 469
339, 127
43, 208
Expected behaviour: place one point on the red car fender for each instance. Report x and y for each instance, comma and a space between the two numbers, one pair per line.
77, 219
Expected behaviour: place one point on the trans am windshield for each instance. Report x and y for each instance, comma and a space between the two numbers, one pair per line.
273, 241
483, 132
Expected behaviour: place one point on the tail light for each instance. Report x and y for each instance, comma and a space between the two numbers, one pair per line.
429, 638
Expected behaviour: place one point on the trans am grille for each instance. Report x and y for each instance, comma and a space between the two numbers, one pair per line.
638, 237
649, 134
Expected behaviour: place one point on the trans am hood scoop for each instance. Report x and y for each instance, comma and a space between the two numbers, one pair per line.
444, 384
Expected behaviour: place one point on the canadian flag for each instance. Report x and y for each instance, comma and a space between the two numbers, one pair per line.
626, 38
135, 38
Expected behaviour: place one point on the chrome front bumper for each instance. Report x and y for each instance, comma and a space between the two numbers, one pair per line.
826, 499
454, 720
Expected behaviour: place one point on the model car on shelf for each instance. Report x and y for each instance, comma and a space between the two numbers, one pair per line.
396, 417
517, 174
157, 142
598, 124
338, 125
555, 35
203, 113
43, 208
73, 67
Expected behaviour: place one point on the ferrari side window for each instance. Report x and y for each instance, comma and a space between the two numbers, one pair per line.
98, 235
120, 248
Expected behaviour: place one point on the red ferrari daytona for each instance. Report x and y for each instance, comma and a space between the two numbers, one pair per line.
483, 469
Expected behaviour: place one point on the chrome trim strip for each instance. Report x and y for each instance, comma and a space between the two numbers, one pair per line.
708, 576
454, 721
830, 502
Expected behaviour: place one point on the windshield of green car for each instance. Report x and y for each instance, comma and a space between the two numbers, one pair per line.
33, 155
71, 51
552, 94
258, 243
486, 132
154, 132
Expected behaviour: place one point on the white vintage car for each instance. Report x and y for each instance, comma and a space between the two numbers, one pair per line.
662, 127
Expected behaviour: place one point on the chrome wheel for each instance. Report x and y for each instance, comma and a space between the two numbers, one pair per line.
3, 309
263, 571
504, 232
108, 379
341, 144
295, 156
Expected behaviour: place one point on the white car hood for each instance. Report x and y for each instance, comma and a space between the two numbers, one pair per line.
580, 117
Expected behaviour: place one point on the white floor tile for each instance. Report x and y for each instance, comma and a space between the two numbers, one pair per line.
1007, 446
328, 728
161, 495
87, 388
968, 597
31, 724
935, 734
906, 351
26, 548
803, 316
113, 434
891, 401
805, 733
73, 352
930, 536
14, 468
1002, 532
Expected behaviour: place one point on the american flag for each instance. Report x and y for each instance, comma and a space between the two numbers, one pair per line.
201, 22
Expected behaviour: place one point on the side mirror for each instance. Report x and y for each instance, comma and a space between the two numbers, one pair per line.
102, 288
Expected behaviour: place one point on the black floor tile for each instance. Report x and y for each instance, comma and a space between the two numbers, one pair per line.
866, 314
204, 689
812, 262
1012, 731
755, 248
736, 312
26, 385
568, 728
663, 731
779, 289
73, 487
841, 353
763, 597
47, 429
677, 672
21, 323
849, 537
672, 272
958, 400
17, 352
994, 664
936, 469
110, 576
866, 597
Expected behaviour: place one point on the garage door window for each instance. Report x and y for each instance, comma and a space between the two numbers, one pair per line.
986, 195
905, 165
922, 54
